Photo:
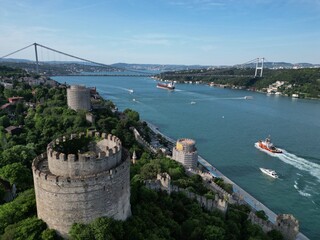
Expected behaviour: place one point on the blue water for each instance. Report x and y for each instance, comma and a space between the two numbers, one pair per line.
226, 126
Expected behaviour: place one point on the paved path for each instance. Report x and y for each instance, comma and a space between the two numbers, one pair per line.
238, 191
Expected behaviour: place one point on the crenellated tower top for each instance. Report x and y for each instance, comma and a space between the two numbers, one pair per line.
83, 154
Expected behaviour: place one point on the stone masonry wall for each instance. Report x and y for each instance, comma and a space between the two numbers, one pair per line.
100, 189
64, 201
78, 98
105, 155
163, 183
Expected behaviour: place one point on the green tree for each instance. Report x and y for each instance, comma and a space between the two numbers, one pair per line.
49, 234
261, 214
150, 170
18, 174
275, 235
4, 121
80, 231
18, 153
27, 229
2, 193
107, 228
20, 208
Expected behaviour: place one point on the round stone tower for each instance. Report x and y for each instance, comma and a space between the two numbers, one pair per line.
78, 97
185, 152
80, 178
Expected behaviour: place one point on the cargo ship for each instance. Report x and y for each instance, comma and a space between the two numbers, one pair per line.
268, 145
168, 86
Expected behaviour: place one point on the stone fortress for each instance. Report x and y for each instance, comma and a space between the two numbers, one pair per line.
79, 184
78, 97
186, 153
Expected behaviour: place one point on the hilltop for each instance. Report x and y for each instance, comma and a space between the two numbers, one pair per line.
303, 82
52, 68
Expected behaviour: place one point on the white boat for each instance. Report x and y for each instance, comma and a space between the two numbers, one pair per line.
269, 172
130, 90
192, 102
248, 97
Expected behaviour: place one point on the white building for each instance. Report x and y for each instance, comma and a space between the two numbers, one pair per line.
185, 152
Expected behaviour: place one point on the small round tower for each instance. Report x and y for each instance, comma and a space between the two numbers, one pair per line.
78, 97
80, 178
185, 152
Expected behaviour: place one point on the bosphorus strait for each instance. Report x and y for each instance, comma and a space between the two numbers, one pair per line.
226, 125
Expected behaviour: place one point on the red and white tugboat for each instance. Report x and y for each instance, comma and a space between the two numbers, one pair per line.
268, 145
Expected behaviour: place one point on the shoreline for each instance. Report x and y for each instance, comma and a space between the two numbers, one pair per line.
238, 192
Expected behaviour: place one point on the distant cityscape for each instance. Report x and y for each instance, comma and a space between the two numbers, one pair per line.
75, 67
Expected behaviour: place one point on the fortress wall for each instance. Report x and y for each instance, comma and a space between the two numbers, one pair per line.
78, 98
188, 160
82, 164
104, 155
62, 201
110, 142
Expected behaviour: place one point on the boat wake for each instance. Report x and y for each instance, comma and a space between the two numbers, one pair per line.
135, 100
302, 192
129, 90
295, 161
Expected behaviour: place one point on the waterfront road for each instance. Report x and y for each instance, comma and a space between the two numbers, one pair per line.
239, 194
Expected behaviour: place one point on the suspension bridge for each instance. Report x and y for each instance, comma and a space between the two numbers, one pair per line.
78, 66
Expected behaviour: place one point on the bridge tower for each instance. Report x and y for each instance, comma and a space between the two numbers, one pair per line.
36, 54
259, 66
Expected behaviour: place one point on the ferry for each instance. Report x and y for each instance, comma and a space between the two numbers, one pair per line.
268, 145
269, 172
168, 86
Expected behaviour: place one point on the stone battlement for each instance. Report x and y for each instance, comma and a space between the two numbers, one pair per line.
40, 169
92, 133
84, 157
163, 182
104, 153
72, 188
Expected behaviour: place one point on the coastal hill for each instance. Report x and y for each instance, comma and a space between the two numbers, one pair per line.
41, 114
67, 67
295, 82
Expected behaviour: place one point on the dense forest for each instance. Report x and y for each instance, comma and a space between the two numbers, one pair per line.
155, 215
305, 81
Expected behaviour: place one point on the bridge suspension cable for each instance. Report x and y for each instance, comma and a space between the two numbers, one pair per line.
258, 65
87, 60
257, 61
17, 51
36, 45
69, 55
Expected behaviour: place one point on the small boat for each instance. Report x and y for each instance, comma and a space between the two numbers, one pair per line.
192, 102
248, 97
268, 145
130, 90
269, 172
168, 86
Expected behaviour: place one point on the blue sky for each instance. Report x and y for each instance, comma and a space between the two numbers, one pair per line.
206, 32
